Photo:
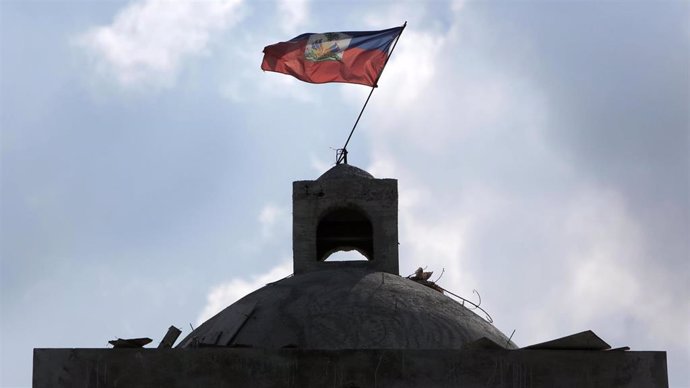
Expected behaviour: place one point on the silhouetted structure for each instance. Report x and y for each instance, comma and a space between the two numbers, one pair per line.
351, 323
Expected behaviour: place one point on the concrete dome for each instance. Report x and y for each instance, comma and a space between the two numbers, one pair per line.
345, 309
344, 171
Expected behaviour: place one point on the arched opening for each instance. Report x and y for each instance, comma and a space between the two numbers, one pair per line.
345, 229
342, 255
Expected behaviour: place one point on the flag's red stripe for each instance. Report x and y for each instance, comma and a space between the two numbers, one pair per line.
357, 66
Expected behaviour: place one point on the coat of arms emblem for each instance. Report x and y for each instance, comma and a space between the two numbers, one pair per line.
326, 47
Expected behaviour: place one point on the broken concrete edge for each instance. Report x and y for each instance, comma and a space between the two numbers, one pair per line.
564, 343
584, 340
130, 342
170, 337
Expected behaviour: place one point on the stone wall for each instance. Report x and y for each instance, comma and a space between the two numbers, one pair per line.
376, 198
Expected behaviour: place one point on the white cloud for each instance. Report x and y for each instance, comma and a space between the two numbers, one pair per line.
458, 5
271, 217
476, 93
249, 83
408, 73
149, 40
228, 293
410, 85
246, 82
287, 87
427, 241
293, 14
319, 165
383, 165
436, 245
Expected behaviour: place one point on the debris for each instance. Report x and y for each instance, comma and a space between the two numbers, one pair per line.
419, 274
422, 277
170, 337
223, 333
585, 340
130, 342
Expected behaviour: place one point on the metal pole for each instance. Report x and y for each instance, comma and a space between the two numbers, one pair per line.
343, 154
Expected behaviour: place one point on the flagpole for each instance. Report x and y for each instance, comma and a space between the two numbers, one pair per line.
342, 153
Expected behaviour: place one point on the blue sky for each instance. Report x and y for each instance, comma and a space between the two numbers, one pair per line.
146, 162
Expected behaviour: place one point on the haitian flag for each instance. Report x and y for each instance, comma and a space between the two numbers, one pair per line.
356, 57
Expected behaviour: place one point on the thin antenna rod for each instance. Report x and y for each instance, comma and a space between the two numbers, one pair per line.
343, 153
511, 337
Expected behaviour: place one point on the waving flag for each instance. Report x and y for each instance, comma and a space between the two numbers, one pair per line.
356, 57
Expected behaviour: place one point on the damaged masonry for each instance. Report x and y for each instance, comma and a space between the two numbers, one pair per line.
350, 323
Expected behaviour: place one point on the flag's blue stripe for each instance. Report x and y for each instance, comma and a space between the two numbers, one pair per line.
365, 40
376, 41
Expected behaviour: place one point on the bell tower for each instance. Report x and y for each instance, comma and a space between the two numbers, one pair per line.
345, 209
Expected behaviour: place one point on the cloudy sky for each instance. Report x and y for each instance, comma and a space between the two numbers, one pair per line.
541, 150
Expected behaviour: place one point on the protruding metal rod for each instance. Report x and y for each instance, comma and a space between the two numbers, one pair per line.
509, 338
343, 155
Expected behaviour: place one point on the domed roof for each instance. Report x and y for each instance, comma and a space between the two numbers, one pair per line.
341, 171
345, 309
